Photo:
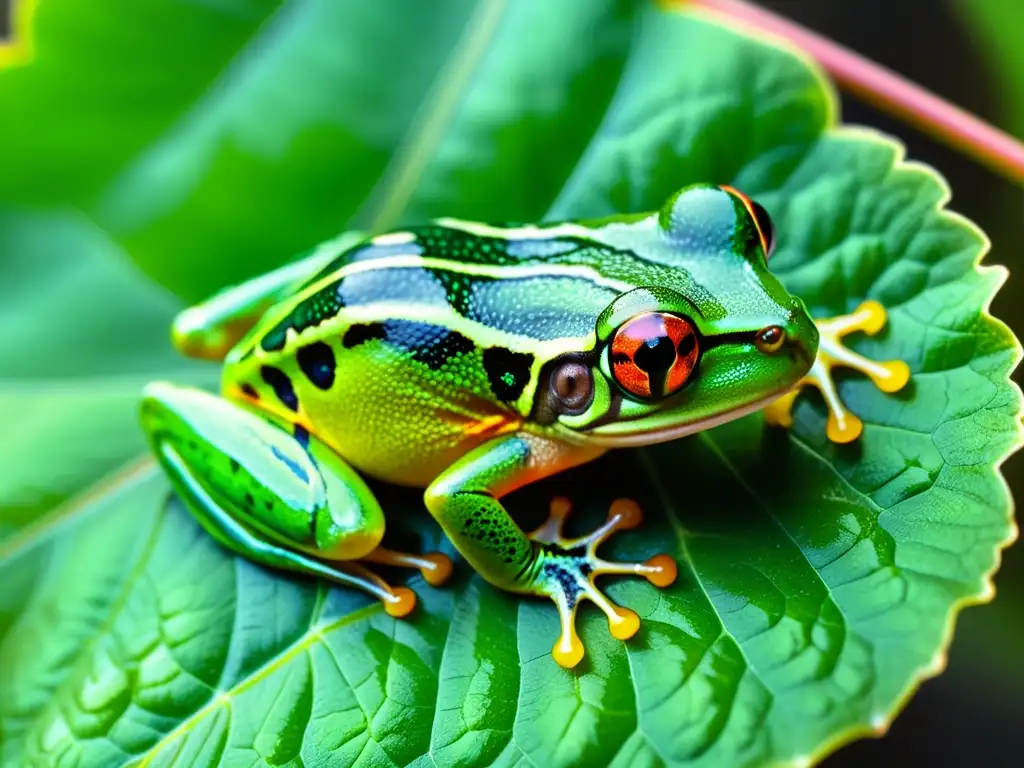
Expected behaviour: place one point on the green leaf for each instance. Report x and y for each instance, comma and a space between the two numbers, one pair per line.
818, 583
81, 333
282, 123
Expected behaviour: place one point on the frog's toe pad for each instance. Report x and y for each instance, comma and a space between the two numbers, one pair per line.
891, 376
435, 567
401, 602
567, 569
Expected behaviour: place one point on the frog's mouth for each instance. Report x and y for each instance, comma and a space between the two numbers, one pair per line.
609, 437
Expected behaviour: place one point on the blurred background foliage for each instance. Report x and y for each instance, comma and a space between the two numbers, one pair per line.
972, 53
996, 25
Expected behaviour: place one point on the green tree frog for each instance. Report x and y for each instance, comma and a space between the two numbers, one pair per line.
471, 360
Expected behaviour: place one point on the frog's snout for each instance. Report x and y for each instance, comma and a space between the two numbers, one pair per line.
802, 334
806, 350
795, 336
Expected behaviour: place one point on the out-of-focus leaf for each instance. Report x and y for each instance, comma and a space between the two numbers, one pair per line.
818, 583
80, 332
280, 124
995, 25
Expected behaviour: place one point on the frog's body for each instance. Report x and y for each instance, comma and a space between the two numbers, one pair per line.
434, 340
472, 360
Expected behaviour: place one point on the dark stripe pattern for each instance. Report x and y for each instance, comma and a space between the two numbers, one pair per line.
282, 386
508, 372
322, 305
362, 333
542, 307
432, 345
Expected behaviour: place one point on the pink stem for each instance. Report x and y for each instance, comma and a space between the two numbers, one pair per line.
886, 90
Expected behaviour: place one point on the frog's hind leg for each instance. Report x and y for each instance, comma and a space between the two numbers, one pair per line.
397, 601
208, 330
282, 500
843, 426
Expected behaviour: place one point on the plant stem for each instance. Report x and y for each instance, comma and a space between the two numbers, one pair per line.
882, 88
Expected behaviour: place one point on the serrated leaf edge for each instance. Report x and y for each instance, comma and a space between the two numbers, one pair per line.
880, 726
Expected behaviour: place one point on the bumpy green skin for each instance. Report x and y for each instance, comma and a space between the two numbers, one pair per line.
464, 500
426, 357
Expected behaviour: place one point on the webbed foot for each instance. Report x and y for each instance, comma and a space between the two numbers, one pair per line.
843, 426
566, 568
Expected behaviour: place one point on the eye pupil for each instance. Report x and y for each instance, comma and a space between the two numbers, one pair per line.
567, 385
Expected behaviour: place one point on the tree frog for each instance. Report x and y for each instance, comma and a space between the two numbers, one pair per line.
471, 360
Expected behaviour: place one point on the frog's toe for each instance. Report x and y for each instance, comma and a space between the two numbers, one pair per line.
435, 567
567, 568
397, 601
401, 603
891, 376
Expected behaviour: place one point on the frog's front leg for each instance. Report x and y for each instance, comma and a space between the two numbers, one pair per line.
280, 499
843, 426
465, 502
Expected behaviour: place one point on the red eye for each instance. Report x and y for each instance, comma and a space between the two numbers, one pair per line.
653, 354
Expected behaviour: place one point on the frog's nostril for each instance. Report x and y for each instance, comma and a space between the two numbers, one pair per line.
803, 342
801, 332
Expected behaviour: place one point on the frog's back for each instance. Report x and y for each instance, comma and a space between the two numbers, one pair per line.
411, 348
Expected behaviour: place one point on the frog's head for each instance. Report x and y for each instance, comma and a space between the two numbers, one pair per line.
712, 338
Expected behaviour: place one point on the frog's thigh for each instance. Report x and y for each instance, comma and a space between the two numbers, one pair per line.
232, 464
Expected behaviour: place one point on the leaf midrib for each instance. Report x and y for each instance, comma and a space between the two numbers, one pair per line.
398, 181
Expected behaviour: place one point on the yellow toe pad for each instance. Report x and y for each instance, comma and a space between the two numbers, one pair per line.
843, 426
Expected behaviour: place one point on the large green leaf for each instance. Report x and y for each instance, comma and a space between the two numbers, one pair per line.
283, 122
818, 583
68, 390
